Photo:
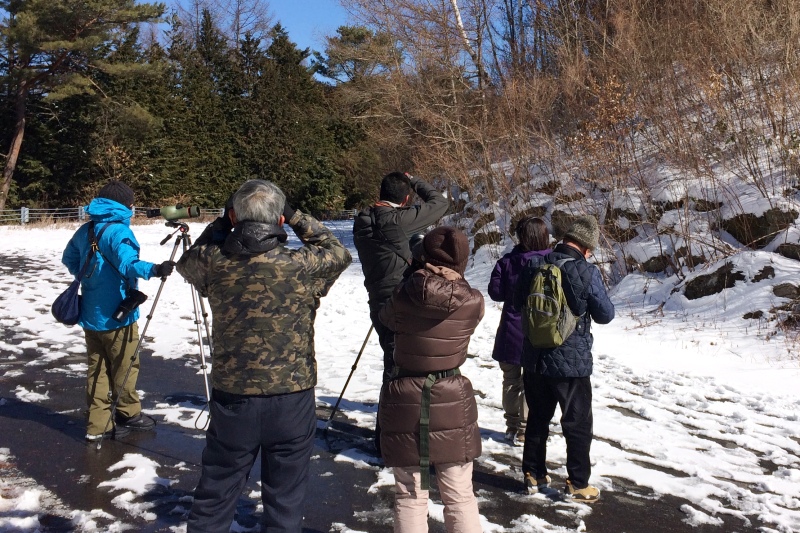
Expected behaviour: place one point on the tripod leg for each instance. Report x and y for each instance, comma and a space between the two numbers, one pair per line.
197, 303
352, 370
135, 354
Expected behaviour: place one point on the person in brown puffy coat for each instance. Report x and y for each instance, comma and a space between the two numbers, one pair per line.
428, 413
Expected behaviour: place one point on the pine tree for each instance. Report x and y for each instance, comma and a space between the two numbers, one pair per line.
50, 47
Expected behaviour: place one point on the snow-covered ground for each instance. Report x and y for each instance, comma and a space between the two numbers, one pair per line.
690, 399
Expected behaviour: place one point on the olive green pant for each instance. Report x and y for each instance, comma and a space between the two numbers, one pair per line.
109, 357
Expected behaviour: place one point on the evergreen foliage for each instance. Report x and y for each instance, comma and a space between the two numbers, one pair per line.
187, 119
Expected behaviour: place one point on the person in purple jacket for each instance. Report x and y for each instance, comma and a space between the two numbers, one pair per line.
534, 240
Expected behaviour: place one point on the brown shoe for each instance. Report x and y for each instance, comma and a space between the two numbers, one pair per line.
587, 494
536, 485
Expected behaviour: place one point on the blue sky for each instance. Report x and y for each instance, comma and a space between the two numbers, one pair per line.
309, 21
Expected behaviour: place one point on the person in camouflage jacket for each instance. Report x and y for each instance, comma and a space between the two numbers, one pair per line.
263, 297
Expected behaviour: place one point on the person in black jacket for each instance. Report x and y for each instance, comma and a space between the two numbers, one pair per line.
561, 376
381, 235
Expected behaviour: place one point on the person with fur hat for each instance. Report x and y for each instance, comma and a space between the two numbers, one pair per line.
428, 414
110, 343
561, 376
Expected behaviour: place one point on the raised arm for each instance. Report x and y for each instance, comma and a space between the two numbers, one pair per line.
420, 217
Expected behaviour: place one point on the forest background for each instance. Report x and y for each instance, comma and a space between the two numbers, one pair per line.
495, 100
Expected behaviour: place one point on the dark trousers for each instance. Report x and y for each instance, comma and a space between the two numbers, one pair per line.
574, 395
386, 340
282, 428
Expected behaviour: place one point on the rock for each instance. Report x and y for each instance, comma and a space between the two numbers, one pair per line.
756, 232
713, 283
786, 290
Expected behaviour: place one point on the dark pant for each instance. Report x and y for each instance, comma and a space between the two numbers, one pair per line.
574, 395
386, 340
282, 427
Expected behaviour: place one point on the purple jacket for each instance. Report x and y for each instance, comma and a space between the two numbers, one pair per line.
508, 341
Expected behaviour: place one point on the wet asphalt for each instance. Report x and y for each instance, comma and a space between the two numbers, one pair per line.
47, 442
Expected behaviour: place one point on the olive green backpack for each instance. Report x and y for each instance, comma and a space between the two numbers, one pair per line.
546, 317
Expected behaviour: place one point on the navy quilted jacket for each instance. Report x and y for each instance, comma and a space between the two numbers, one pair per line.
587, 296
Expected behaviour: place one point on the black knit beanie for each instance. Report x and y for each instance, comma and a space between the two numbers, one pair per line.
447, 247
117, 191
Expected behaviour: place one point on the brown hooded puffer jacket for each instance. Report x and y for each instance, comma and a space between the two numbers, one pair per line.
432, 318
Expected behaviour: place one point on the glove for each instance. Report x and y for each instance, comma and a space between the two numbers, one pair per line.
164, 269
223, 225
219, 229
288, 212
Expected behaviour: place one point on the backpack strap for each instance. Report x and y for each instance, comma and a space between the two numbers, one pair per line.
424, 424
90, 254
95, 241
560, 264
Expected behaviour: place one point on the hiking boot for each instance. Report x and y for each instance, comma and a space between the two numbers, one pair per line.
139, 422
117, 432
588, 494
512, 436
536, 485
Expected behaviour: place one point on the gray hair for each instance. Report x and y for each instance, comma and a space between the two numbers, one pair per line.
259, 201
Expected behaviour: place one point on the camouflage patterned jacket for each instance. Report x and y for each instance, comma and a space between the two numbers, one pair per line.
264, 297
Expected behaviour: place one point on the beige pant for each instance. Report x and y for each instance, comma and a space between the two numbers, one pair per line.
514, 404
455, 487
109, 357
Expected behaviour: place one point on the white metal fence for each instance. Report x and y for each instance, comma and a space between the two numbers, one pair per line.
25, 215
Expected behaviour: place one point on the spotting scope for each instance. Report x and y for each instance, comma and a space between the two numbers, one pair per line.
174, 212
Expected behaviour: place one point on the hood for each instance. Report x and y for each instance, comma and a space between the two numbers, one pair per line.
105, 210
251, 238
530, 253
432, 291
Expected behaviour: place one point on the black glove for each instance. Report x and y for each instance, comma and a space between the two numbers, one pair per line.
222, 226
217, 231
164, 269
288, 212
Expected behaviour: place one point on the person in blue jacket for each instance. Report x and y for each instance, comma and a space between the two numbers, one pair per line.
114, 269
561, 376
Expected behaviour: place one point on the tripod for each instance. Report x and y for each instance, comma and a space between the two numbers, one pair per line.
183, 239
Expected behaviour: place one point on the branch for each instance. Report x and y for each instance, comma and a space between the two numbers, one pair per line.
482, 74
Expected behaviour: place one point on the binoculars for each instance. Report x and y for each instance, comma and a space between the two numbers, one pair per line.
174, 212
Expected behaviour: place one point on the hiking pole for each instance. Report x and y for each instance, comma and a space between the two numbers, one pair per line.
352, 370
141, 335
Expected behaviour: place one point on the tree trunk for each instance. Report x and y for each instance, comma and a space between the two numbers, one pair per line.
16, 143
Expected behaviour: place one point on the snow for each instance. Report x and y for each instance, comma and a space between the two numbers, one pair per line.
690, 399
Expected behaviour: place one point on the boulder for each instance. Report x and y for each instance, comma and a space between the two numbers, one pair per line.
707, 284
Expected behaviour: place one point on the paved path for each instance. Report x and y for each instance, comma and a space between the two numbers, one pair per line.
46, 442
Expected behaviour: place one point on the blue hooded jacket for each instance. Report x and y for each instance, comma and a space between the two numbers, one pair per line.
102, 288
